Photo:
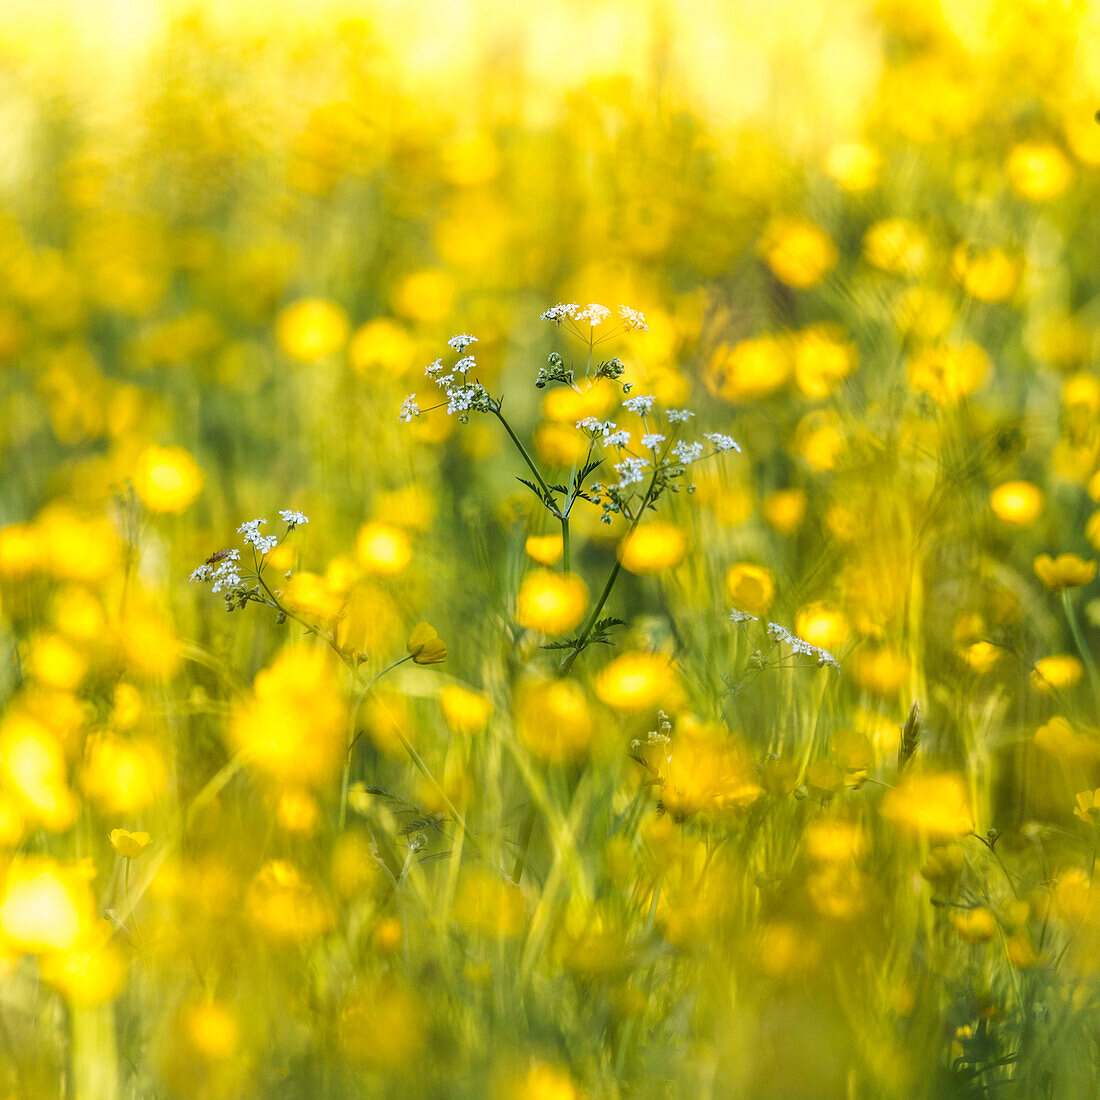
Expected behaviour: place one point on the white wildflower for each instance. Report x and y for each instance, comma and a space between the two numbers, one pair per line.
292, 518
631, 470
409, 409
640, 404
558, 313
620, 438
432, 369
652, 441
780, 633
461, 342
679, 416
465, 364
742, 617
593, 313
723, 442
255, 537
686, 453
633, 318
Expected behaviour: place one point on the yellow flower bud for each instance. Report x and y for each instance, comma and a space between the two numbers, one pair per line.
425, 646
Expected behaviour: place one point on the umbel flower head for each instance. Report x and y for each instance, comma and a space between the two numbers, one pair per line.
1064, 571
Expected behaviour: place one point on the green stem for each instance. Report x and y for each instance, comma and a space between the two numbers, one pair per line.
1082, 647
524, 843
565, 544
613, 576
528, 459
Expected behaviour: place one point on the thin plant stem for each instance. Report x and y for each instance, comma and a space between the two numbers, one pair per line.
529, 460
1082, 647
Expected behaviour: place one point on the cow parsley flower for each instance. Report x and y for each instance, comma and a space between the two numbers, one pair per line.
633, 318
432, 369
780, 633
621, 438
652, 441
631, 470
461, 342
222, 571
679, 416
723, 442
593, 313
686, 453
558, 313
255, 537
640, 404
292, 518
409, 409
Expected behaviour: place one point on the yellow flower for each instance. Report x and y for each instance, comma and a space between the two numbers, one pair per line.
382, 549
553, 719
990, 275
977, 925
635, 681
129, 845
293, 726
784, 510
1038, 170
166, 479
464, 711
934, 805
749, 370
653, 548
1017, 502
944, 864
948, 374
311, 328
545, 549
896, 246
822, 360
425, 645
552, 603
854, 165
44, 907
798, 252
750, 587
1088, 807
1064, 571
822, 625
1062, 741
381, 343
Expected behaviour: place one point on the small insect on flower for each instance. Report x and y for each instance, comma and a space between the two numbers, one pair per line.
220, 555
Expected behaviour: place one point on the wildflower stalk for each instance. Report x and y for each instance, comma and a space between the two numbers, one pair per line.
613, 576
529, 460
1082, 646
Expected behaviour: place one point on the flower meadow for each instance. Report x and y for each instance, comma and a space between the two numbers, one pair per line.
550, 553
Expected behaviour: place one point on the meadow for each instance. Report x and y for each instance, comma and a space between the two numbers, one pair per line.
549, 554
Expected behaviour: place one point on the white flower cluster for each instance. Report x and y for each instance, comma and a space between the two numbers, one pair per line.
652, 441
781, 634
631, 470
679, 416
640, 404
686, 453
723, 442
292, 518
462, 394
222, 570
594, 314
255, 537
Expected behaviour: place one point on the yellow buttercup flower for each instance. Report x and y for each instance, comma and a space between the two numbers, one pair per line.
1017, 502
382, 549
545, 549
129, 845
948, 374
167, 479
1064, 571
312, 328
464, 711
1056, 672
934, 805
653, 548
1038, 170
425, 645
635, 681
750, 587
798, 252
552, 603
1088, 807
977, 925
